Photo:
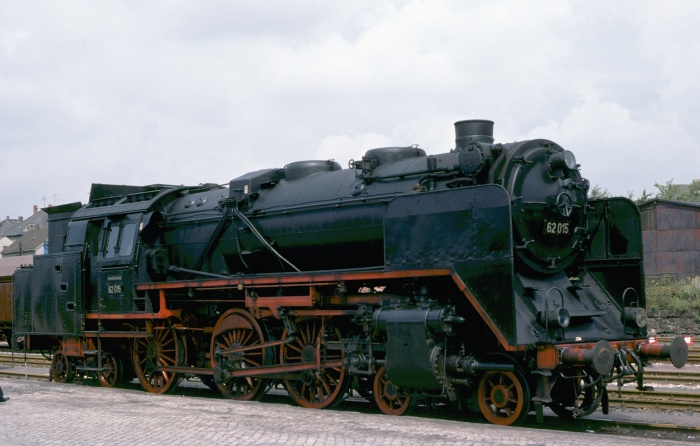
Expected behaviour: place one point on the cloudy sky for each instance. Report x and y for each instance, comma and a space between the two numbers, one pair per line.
189, 92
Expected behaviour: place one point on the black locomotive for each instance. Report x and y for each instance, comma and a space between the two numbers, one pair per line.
483, 277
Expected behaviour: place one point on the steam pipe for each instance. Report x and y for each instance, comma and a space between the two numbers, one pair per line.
460, 365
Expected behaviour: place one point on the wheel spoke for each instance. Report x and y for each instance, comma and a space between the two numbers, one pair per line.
250, 362
295, 348
325, 385
317, 389
163, 349
503, 397
245, 340
245, 332
61, 368
113, 374
575, 397
388, 397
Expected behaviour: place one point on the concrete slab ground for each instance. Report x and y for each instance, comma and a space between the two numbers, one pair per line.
44, 413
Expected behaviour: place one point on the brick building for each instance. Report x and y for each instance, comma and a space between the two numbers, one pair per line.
671, 234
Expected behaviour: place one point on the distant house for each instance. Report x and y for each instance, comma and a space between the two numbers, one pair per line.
671, 235
8, 223
26, 237
33, 241
5, 226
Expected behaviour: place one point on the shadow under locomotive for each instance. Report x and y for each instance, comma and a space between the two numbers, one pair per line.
483, 278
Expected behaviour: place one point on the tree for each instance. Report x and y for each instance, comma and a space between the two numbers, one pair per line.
597, 191
642, 199
694, 191
668, 191
678, 192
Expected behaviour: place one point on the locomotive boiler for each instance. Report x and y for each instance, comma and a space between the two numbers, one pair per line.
482, 277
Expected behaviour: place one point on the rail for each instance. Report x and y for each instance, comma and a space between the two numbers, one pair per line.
672, 399
674, 389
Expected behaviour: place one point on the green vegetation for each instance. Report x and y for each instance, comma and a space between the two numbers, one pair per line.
679, 192
668, 191
674, 295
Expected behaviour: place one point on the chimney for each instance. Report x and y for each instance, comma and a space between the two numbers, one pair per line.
479, 130
35, 209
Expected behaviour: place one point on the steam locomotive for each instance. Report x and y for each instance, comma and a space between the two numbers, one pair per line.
483, 277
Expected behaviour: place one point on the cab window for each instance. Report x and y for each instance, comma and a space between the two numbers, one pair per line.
127, 238
118, 239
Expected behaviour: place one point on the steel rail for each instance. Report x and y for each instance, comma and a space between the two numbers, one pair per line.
681, 377
656, 399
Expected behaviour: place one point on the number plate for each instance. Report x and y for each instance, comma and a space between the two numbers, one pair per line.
556, 227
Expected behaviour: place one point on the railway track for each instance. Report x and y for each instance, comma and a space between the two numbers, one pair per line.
33, 360
681, 377
674, 389
669, 399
